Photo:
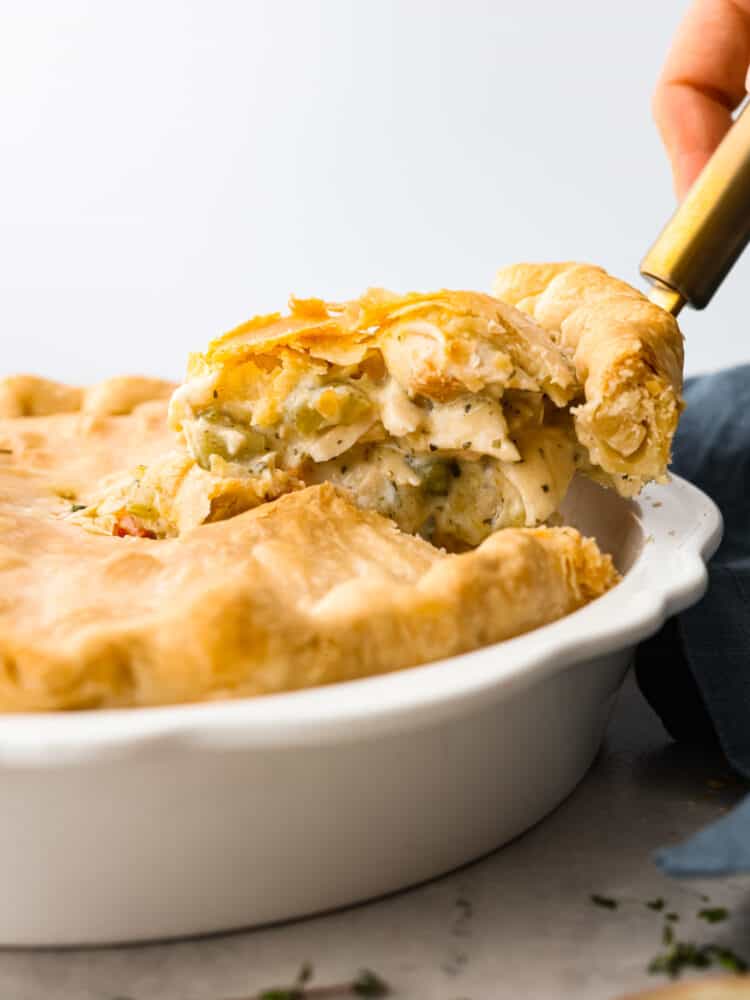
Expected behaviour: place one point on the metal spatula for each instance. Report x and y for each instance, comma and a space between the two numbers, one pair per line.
698, 246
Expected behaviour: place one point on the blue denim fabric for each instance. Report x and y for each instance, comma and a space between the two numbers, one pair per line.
696, 672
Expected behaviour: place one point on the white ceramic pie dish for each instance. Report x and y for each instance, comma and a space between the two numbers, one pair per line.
150, 823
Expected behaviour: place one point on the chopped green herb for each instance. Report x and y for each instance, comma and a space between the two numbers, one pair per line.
367, 984
295, 992
680, 956
714, 915
684, 955
667, 934
674, 917
75, 507
728, 959
656, 904
604, 901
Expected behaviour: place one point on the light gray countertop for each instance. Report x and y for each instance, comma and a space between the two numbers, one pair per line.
518, 923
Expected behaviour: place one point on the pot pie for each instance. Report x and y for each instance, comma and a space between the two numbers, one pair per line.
341, 491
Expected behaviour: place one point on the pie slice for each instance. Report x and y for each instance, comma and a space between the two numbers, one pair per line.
444, 412
453, 413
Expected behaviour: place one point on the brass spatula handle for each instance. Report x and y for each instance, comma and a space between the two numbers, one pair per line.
708, 232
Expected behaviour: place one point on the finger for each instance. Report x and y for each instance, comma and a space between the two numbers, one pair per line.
702, 81
692, 125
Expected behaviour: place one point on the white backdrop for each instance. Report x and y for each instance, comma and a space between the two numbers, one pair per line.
169, 168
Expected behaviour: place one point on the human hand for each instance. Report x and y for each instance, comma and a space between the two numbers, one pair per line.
704, 78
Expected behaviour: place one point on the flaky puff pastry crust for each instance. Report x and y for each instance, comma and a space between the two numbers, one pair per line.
628, 355
442, 332
713, 988
303, 591
33, 396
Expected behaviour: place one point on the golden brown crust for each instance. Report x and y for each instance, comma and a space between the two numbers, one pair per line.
712, 988
34, 396
123, 393
66, 457
306, 590
628, 355
443, 354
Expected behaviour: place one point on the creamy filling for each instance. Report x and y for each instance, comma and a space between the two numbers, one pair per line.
453, 470
322, 418
452, 502
456, 500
